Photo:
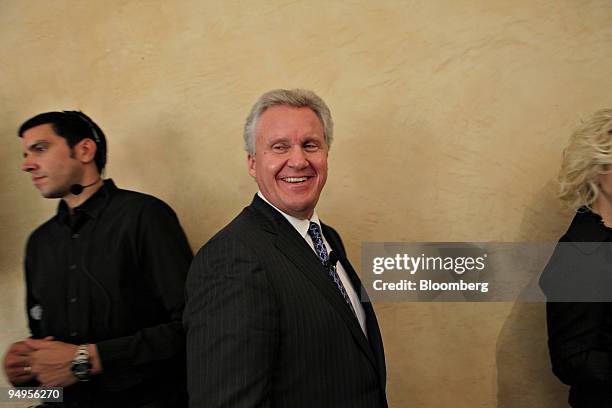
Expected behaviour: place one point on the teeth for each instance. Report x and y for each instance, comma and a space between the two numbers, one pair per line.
295, 179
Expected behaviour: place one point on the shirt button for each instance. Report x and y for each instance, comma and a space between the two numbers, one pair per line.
73, 266
75, 236
73, 300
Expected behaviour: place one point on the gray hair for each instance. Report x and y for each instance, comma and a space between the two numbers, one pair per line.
299, 98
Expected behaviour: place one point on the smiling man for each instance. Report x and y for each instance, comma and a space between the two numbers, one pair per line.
104, 277
274, 316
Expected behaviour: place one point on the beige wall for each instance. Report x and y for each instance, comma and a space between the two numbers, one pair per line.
450, 120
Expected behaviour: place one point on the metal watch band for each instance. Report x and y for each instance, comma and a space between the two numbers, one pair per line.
82, 354
81, 367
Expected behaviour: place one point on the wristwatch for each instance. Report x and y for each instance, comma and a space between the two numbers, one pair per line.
81, 367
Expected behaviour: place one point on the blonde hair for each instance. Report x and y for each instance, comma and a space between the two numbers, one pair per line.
584, 159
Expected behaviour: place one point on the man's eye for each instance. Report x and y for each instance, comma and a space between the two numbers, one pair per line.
279, 147
311, 147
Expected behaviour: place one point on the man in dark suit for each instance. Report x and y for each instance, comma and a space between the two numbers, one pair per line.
273, 315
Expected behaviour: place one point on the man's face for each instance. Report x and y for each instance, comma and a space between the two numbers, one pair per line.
48, 159
290, 161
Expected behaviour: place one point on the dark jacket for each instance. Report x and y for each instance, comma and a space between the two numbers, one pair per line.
266, 327
578, 285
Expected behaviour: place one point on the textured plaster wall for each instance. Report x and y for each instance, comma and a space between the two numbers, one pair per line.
451, 116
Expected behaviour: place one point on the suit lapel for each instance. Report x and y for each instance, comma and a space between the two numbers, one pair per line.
290, 243
372, 328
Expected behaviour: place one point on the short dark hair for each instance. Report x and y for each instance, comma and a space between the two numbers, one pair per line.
73, 126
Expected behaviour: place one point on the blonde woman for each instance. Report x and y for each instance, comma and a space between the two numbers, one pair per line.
578, 278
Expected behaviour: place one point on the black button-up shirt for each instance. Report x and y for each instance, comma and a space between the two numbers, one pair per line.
112, 273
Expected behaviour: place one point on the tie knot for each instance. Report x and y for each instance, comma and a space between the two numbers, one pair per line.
314, 231
317, 240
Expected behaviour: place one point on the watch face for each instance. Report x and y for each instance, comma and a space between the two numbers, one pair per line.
81, 367
81, 370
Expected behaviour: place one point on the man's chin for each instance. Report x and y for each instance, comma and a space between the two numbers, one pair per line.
48, 195
298, 207
51, 194
302, 212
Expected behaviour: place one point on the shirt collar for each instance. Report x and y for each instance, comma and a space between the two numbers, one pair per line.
92, 206
588, 226
301, 226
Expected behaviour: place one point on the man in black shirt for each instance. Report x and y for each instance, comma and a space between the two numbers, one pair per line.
105, 279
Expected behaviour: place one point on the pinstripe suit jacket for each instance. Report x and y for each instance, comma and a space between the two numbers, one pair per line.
266, 327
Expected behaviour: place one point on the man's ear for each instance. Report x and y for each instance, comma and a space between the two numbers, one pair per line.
85, 151
251, 165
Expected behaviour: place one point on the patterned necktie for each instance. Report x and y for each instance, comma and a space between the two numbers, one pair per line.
315, 234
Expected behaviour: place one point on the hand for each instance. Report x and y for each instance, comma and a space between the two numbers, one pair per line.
17, 363
51, 362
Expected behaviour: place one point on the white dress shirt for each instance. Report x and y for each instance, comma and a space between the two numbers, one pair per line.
301, 227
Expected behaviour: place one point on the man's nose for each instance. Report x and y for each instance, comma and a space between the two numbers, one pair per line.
28, 164
297, 158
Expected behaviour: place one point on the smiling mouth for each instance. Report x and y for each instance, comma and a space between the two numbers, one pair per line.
294, 179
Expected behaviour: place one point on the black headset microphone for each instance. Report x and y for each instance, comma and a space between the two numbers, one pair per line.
332, 259
77, 189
